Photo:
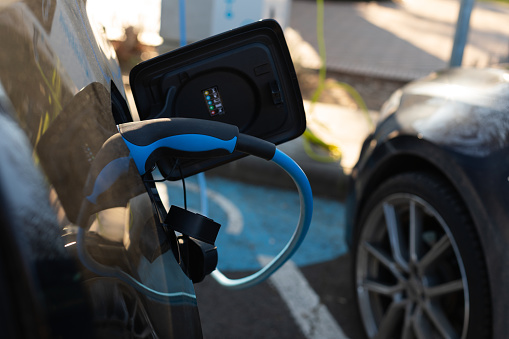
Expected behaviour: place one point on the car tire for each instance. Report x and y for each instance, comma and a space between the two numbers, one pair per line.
419, 269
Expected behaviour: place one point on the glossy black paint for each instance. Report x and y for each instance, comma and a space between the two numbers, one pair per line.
455, 124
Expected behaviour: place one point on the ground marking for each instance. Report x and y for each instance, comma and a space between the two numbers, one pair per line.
235, 222
313, 317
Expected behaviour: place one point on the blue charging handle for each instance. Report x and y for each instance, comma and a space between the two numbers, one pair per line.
183, 137
150, 140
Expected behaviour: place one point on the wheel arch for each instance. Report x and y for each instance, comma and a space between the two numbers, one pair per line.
396, 165
405, 154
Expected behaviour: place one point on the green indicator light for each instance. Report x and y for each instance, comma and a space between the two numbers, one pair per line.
213, 101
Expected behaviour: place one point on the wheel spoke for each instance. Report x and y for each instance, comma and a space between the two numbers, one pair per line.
439, 290
394, 235
434, 253
440, 321
420, 327
134, 312
383, 289
415, 232
407, 324
391, 318
384, 259
119, 304
407, 238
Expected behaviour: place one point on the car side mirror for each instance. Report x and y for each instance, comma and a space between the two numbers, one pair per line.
244, 77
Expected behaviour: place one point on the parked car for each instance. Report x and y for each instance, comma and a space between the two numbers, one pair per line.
428, 210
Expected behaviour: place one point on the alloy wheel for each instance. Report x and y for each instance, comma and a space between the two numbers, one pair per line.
410, 277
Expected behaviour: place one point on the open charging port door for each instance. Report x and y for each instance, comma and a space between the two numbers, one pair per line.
244, 77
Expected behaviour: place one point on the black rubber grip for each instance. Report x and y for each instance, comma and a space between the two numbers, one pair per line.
146, 132
255, 146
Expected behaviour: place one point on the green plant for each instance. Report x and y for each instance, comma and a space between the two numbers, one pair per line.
310, 139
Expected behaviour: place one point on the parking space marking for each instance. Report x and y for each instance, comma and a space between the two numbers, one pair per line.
259, 220
235, 221
234, 215
312, 317
251, 241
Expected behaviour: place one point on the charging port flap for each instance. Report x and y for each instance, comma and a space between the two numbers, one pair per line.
244, 77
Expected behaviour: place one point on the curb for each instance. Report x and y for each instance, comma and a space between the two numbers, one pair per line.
344, 127
327, 179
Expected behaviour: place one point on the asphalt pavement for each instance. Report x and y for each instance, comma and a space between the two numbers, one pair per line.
309, 297
402, 40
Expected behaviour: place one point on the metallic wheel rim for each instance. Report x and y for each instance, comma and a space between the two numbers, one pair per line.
116, 303
410, 277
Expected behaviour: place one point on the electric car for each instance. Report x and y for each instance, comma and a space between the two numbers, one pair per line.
61, 96
428, 210
87, 248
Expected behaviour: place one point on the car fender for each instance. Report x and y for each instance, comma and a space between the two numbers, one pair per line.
455, 124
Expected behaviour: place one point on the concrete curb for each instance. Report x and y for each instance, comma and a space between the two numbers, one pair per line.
334, 124
326, 179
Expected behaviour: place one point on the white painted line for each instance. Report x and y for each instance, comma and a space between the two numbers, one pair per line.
234, 215
235, 223
313, 318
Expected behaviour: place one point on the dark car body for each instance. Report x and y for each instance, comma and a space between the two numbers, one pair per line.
455, 125
61, 97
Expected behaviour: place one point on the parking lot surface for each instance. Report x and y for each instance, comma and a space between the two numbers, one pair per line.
309, 297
